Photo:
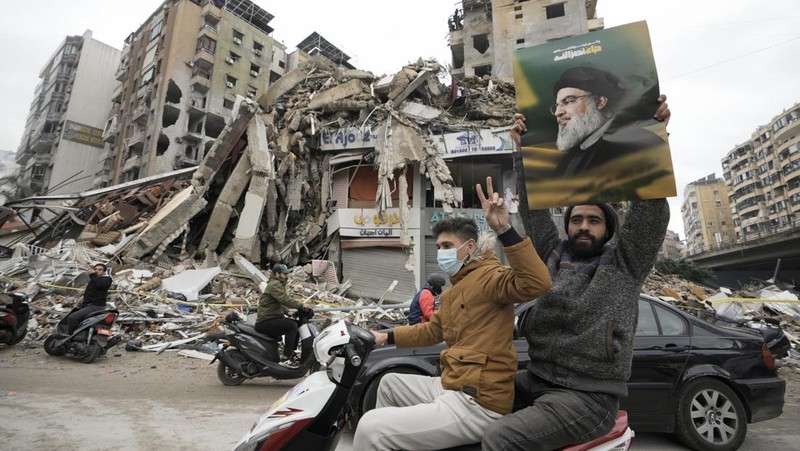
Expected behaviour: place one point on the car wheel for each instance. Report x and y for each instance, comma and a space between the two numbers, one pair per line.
370, 395
227, 375
710, 416
51, 348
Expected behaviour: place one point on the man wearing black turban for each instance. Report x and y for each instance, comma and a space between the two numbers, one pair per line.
587, 103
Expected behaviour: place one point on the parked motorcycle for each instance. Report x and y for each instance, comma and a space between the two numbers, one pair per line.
246, 353
770, 328
313, 414
92, 338
14, 319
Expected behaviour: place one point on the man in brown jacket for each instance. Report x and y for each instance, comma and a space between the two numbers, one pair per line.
476, 320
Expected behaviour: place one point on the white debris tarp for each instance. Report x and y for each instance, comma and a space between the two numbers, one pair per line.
190, 282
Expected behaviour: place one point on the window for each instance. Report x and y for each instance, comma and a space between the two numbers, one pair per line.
258, 47
521, 41
255, 70
710, 223
553, 11
719, 203
656, 320
517, 8
251, 91
724, 223
237, 37
281, 64
227, 103
518, 16
230, 81
147, 77
207, 44
155, 31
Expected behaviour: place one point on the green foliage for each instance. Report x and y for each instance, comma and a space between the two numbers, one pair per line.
685, 269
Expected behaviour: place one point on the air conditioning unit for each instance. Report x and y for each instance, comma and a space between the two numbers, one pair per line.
257, 51
254, 73
228, 84
229, 60
237, 41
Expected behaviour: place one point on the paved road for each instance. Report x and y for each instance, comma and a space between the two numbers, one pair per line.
138, 401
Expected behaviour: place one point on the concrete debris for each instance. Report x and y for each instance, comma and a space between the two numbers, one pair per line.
759, 300
261, 194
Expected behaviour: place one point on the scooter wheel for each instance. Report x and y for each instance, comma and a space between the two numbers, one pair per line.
18, 339
92, 351
228, 376
51, 348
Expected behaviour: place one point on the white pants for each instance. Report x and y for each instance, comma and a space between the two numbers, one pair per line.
416, 413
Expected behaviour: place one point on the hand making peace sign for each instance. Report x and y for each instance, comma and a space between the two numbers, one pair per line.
494, 207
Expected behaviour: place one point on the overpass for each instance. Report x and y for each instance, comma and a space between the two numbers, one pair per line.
755, 258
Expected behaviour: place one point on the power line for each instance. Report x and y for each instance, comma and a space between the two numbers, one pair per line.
732, 59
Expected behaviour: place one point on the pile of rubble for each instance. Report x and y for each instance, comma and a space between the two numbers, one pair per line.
757, 300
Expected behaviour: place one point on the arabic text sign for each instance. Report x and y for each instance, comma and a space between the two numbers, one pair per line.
83, 134
475, 142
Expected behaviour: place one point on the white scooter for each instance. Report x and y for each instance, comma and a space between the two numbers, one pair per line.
312, 415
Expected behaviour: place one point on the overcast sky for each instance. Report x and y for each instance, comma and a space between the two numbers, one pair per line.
726, 66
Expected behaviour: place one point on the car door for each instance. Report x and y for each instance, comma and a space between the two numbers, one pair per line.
662, 345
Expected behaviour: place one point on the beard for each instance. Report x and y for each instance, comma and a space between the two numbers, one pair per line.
579, 127
583, 249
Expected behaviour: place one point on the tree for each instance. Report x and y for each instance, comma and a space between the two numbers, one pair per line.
685, 269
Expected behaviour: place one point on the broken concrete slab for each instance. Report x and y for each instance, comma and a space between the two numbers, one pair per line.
336, 93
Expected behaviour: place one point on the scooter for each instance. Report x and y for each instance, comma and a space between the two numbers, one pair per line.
92, 338
313, 414
246, 353
14, 319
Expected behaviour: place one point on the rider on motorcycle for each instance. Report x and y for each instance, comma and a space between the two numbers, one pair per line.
94, 296
271, 320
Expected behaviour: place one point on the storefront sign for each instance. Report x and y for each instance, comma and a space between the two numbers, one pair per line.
83, 134
433, 215
369, 223
347, 138
475, 142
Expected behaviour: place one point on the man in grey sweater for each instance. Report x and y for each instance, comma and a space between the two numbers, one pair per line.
580, 333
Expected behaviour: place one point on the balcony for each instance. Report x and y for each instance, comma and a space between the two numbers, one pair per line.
140, 114
134, 161
201, 81
791, 129
122, 73
136, 140
70, 60
42, 160
43, 142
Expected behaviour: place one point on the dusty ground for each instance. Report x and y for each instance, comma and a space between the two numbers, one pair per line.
146, 401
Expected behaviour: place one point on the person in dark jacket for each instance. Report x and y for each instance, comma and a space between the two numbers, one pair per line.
424, 303
271, 320
94, 296
580, 333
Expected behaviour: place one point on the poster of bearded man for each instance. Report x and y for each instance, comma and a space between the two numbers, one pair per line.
588, 103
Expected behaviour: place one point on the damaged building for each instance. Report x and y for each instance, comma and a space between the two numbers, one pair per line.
179, 75
485, 33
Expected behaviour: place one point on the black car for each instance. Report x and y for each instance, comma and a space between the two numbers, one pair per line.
700, 381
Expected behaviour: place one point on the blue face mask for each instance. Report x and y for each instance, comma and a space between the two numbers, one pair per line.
448, 260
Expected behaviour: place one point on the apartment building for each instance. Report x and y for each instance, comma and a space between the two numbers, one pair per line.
485, 33
61, 143
706, 212
179, 75
672, 248
763, 176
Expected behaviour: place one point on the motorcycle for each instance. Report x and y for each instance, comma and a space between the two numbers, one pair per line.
313, 414
14, 319
246, 353
92, 338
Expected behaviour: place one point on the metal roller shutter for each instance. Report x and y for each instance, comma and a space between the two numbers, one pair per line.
372, 270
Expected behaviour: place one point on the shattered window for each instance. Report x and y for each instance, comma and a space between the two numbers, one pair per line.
227, 103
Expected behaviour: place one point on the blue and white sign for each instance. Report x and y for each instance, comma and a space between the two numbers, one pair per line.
475, 142
348, 138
